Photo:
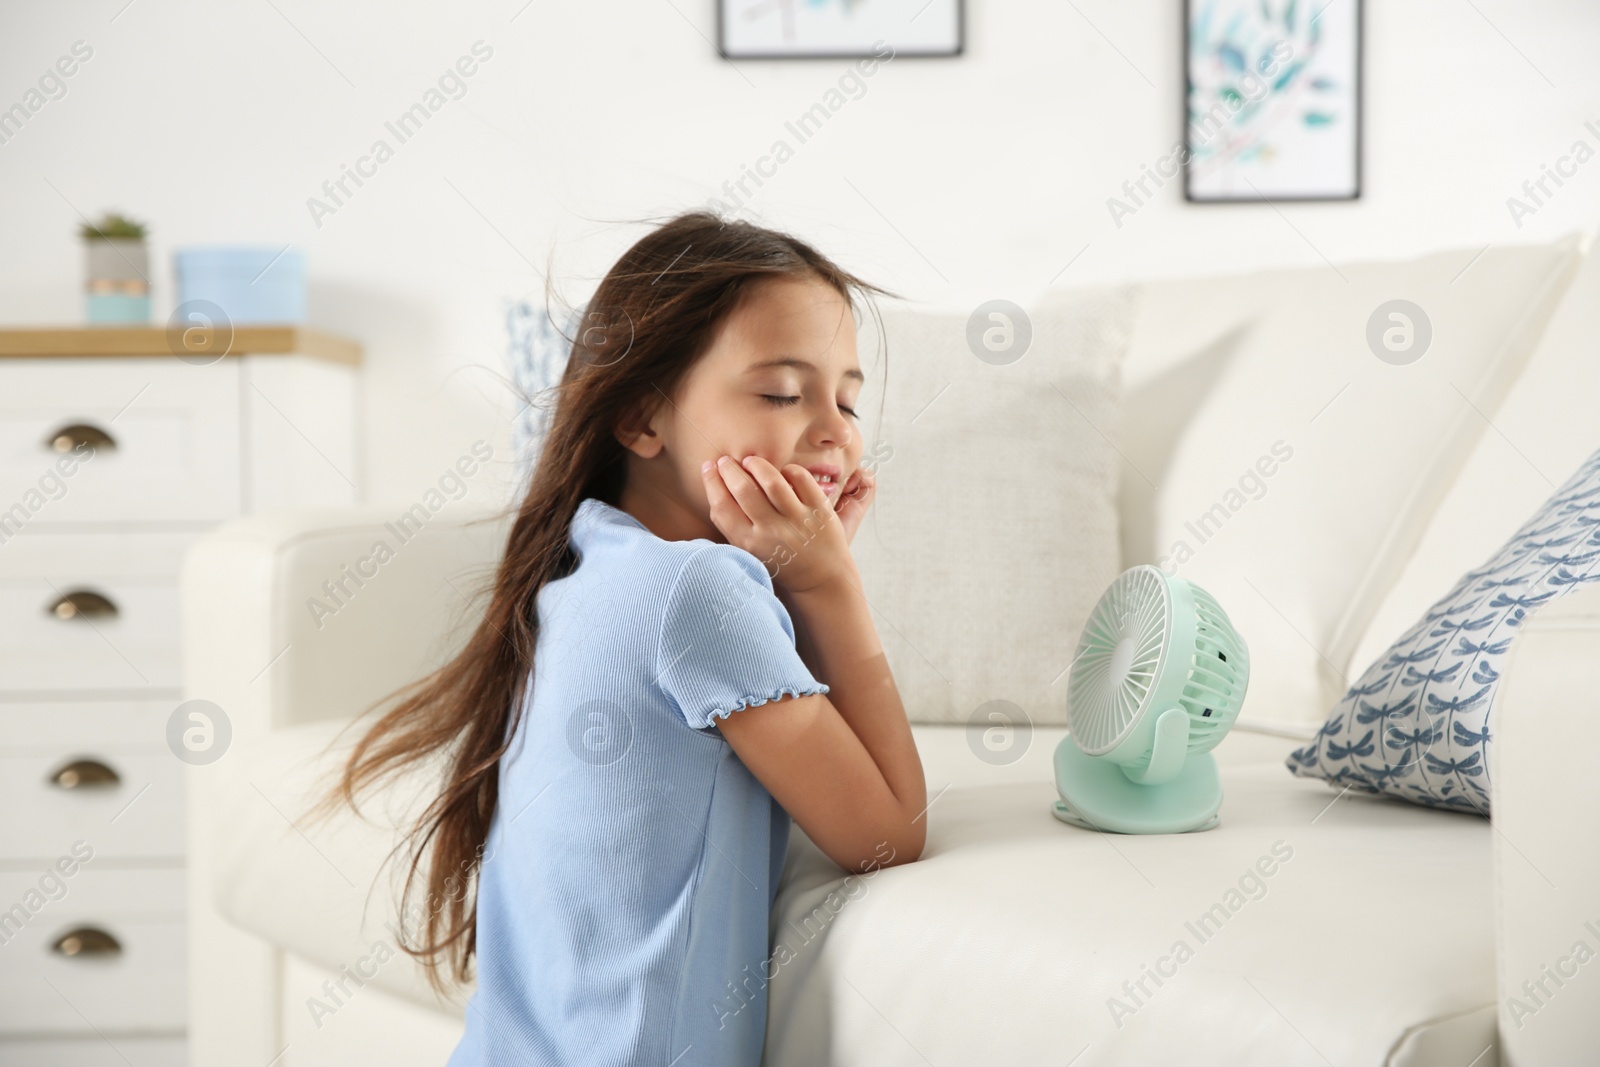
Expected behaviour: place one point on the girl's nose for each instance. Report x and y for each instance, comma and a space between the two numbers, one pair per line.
836, 430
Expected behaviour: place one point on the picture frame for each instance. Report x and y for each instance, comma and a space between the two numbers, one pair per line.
1272, 100
839, 29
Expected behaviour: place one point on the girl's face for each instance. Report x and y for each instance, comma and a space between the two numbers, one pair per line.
779, 381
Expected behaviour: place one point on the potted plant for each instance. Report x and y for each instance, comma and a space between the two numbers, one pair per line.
117, 269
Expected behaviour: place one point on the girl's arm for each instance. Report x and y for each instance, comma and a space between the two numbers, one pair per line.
859, 811
827, 614
838, 641
842, 764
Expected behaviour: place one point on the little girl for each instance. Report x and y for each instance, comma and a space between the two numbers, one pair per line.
676, 659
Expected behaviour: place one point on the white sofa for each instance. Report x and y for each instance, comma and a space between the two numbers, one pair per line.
1371, 932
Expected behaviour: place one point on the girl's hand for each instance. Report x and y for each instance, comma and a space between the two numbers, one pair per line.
783, 518
854, 499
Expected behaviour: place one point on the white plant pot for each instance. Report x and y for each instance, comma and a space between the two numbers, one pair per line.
119, 265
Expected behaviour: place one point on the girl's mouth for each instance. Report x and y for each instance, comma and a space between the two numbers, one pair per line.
826, 475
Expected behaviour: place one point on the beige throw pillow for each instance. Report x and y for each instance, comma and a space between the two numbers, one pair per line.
994, 531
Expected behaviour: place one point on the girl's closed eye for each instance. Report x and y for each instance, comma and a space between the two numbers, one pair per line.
785, 401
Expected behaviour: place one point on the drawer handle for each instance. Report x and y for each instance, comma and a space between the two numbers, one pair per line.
80, 433
85, 773
85, 604
87, 941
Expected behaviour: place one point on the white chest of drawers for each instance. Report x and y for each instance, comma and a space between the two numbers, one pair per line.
114, 455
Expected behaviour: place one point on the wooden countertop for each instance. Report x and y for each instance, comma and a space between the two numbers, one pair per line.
34, 342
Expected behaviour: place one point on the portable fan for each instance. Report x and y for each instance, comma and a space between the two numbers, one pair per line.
1156, 682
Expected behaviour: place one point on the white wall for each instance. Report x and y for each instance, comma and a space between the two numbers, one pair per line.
951, 180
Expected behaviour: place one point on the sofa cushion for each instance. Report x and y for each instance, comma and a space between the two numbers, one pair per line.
1017, 938
320, 889
1299, 479
1012, 918
1416, 724
994, 530
1543, 429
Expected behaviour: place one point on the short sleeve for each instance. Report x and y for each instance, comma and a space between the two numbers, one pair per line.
727, 642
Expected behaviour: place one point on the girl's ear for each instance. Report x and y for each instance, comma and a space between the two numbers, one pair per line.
635, 432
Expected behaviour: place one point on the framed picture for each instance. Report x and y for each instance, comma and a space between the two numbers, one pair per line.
824, 29
1273, 107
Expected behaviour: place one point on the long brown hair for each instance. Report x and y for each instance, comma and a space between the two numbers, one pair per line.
653, 315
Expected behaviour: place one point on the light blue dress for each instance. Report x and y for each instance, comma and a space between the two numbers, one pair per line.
632, 859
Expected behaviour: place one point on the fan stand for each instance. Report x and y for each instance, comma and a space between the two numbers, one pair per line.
1097, 794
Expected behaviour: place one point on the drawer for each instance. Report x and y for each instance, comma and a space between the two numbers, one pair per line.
173, 430
138, 814
113, 1050
133, 646
89, 611
138, 986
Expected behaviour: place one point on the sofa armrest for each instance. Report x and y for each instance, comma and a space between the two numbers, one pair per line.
290, 618
1545, 796
294, 617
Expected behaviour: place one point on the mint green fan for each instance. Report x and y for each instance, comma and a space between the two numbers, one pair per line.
1156, 682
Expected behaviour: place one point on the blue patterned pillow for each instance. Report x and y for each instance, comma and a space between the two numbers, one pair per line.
538, 353
1416, 724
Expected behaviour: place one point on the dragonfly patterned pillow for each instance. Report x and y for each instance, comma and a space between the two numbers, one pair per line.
1416, 725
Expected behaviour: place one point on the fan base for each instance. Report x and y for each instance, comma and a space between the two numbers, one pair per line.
1096, 795
1061, 811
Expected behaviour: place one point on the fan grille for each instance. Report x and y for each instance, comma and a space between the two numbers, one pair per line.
1122, 653
1117, 659
1218, 669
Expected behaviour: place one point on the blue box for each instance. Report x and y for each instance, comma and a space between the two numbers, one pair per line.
251, 284
118, 308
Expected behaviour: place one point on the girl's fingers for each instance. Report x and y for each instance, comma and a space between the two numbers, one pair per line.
762, 473
773, 485
846, 489
860, 482
745, 489
805, 486
782, 498
857, 495
721, 497
763, 491
869, 482
751, 494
